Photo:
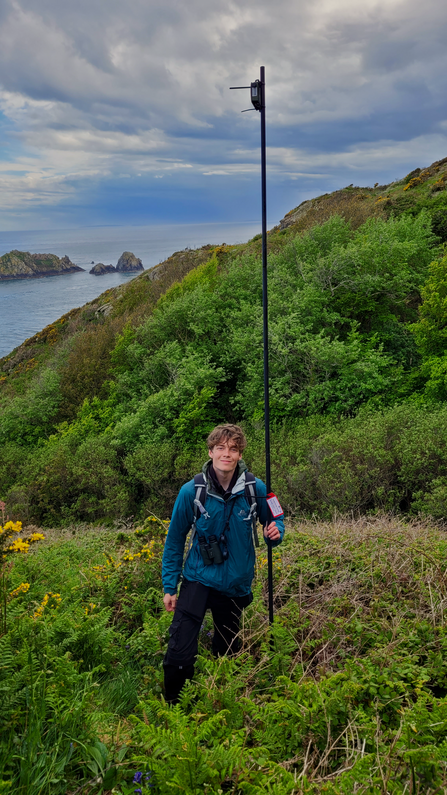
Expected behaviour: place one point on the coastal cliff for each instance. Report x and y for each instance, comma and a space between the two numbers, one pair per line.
23, 265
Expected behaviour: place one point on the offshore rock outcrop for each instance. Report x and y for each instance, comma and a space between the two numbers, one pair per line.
129, 263
99, 269
23, 265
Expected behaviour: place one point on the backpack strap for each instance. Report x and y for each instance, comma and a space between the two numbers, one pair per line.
250, 493
201, 488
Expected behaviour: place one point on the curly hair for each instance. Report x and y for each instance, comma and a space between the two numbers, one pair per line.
224, 433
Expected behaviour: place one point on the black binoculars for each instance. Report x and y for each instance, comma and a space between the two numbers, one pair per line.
211, 550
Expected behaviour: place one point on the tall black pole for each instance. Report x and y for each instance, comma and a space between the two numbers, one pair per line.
258, 101
266, 330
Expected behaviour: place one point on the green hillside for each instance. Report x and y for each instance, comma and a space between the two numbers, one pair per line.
103, 413
103, 417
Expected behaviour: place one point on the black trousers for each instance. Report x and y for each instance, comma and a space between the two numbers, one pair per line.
193, 602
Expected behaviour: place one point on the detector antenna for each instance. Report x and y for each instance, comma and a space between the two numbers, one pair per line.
257, 96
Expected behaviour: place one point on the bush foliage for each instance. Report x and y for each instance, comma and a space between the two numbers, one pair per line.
117, 418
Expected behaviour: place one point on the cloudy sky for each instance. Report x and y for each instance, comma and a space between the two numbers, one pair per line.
120, 113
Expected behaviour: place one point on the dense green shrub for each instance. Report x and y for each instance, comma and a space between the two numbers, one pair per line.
435, 206
29, 418
385, 460
87, 366
66, 481
430, 331
137, 400
331, 293
12, 460
393, 459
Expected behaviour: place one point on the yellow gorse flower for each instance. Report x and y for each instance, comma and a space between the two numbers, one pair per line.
147, 527
11, 527
413, 182
108, 568
36, 537
19, 546
22, 588
9, 543
146, 553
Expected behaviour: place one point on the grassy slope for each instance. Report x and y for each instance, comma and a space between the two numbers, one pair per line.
351, 698
357, 203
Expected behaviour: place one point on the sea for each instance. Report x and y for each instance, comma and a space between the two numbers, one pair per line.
28, 305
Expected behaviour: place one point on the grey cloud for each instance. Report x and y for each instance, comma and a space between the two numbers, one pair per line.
111, 84
175, 61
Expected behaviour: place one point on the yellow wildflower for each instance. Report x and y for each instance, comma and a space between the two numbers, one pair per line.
36, 537
19, 546
22, 588
15, 527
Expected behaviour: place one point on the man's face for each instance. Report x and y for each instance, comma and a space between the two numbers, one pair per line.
225, 456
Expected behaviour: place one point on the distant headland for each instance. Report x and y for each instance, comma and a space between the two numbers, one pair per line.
23, 265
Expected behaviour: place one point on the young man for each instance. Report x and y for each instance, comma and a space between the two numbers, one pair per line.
219, 568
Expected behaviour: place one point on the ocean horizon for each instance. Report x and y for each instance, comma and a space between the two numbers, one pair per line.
28, 305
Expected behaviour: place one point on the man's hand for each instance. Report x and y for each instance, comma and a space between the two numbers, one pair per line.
271, 532
170, 601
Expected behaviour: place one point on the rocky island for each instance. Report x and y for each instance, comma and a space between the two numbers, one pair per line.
23, 265
99, 269
129, 263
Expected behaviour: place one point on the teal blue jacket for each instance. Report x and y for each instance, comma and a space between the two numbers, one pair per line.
234, 576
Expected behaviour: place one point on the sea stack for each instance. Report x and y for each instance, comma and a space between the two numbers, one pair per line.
129, 263
99, 269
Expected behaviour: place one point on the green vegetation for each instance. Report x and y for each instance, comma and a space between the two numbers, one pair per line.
106, 418
103, 416
351, 697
